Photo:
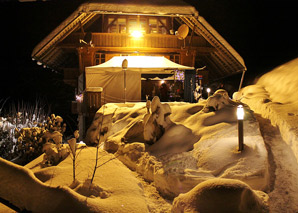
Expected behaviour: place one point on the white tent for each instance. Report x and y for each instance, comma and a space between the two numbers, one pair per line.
110, 75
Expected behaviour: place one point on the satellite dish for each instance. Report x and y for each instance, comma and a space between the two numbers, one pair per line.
182, 32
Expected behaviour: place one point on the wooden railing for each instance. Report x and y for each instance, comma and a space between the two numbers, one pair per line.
147, 41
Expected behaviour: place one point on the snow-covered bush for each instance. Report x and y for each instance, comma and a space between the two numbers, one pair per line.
218, 100
156, 121
6, 143
31, 141
14, 117
23, 134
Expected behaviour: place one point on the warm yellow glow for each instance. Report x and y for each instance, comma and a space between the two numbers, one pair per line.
162, 81
136, 34
208, 90
240, 112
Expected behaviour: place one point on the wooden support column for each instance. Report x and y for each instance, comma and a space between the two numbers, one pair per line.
81, 64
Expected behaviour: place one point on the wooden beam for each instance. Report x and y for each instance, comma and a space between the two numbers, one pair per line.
119, 49
107, 27
168, 31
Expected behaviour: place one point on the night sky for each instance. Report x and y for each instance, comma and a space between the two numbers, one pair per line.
263, 32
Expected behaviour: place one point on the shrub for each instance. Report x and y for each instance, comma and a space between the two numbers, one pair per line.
30, 141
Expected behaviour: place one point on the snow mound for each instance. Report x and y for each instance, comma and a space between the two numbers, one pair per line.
221, 194
282, 82
109, 192
194, 146
275, 97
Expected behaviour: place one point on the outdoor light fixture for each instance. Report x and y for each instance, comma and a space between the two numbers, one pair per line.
136, 34
79, 98
124, 68
162, 81
240, 117
208, 91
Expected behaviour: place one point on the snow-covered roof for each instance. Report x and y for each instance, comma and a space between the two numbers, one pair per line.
88, 10
152, 7
222, 61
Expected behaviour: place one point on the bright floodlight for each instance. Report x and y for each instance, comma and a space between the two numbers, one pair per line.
136, 34
240, 112
162, 81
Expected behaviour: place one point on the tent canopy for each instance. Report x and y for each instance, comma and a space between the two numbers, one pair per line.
143, 64
110, 75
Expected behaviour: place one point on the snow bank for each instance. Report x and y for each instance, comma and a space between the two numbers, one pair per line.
221, 194
51, 189
275, 97
195, 146
282, 82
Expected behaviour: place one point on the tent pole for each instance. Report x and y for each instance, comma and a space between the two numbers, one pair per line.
124, 85
124, 68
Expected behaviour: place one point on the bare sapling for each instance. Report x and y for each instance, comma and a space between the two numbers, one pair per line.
101, 139
98, 145
73, 146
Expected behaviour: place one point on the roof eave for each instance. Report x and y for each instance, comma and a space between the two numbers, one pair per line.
109, 8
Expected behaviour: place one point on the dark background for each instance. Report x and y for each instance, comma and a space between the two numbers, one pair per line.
263, 32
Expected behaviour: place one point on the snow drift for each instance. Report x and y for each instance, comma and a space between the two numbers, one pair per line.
51, 189
275, 97
194, 143
174, 145
221, 194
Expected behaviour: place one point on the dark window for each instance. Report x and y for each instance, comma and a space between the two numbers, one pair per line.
99, 58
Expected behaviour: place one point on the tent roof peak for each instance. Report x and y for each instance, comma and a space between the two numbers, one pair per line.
144, 64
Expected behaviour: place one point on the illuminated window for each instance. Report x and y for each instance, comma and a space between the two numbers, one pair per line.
99, 58
157, 26
137, 24
153, 26
117, 25
143, 24
122, 25
179, 75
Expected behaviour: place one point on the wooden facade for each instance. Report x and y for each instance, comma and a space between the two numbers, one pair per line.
99, 30
109, 24
111, 37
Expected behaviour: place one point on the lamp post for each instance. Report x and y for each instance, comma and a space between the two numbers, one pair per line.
240, 117
124, 68
208, 91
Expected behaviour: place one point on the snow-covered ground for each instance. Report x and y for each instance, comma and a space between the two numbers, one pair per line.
274, 97
176, 147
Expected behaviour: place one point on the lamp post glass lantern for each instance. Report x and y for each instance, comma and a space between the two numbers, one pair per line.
208, 91
240, 117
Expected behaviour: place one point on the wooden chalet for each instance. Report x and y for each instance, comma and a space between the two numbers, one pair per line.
100, 30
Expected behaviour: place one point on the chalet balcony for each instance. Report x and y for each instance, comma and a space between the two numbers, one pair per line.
114, 40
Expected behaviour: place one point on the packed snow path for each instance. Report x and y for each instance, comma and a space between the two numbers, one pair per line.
283, 169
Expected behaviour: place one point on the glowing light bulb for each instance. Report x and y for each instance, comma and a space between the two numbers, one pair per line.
136, 34
240, 112
208, 91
